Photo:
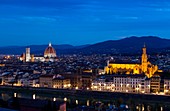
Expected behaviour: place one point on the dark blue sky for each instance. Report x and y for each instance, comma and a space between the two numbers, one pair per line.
76, 22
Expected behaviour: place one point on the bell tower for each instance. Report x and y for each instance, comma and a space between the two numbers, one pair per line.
144, 60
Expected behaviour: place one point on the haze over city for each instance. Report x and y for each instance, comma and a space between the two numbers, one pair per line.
78, 22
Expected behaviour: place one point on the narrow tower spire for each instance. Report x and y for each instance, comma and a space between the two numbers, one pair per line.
144, 60
144, 45
144, 48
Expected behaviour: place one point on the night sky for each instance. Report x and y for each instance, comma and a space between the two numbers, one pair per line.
78, 22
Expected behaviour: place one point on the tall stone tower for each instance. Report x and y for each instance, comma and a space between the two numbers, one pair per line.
28, 56
144, 60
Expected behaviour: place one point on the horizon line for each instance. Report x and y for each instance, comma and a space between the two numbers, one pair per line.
81, 44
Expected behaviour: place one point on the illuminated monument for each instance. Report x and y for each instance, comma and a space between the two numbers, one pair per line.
50, 52
49, 55
27, 55
131, 67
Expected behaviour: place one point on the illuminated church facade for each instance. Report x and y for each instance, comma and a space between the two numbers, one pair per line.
132, 68
49, 55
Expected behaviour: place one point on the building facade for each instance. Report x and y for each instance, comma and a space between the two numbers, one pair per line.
75, 79
167, 85
52, 81
61, 83
132, 67
122, 83
46, 81
49, 55
155, 84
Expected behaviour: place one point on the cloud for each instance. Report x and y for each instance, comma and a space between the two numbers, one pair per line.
8, 20
30, 19
39, 19
55, 4
162, 9
157, 5
126, 17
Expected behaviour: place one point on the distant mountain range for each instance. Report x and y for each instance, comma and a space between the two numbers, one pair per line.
126, 45
130, 45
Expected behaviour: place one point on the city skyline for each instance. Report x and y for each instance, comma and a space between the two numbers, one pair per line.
81, 22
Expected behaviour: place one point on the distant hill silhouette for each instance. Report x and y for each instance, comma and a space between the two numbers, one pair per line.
129, 45
126, 45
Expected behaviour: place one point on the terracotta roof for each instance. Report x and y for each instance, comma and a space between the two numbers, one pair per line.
49, 50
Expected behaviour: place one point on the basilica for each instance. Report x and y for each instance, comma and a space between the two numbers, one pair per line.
144, 66
49, 55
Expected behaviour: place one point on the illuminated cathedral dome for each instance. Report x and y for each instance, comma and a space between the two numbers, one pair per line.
50, 51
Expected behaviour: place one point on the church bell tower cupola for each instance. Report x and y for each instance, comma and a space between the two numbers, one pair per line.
144, 60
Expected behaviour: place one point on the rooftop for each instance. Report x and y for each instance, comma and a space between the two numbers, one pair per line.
124, 62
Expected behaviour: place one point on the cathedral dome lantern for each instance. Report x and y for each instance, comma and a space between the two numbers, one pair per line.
50, 51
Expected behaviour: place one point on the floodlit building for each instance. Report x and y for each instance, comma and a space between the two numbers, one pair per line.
46, 81
75, 79
28, 56
122, 83
103, 84
53, 81
147, 85
50, 52
86, 80
61, 82
167, 85
155, 84
145, 66
49, 55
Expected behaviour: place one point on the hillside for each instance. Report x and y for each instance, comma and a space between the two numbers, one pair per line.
126, 45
